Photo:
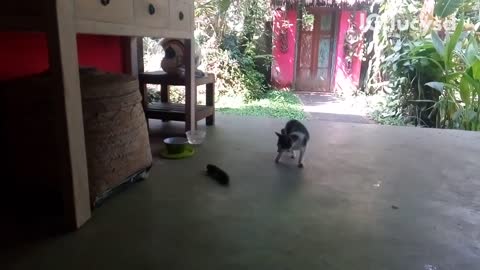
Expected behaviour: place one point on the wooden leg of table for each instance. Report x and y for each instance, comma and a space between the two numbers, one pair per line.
70, 149
210, 101
190, 86
164, 93
190, 118
143, 91
133, 55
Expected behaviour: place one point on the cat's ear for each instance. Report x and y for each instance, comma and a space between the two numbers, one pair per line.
284, 132
278, 134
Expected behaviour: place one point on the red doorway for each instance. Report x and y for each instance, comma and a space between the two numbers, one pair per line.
316, 50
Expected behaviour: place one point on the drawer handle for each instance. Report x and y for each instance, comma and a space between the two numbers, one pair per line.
151, 9
180, 16
105, 2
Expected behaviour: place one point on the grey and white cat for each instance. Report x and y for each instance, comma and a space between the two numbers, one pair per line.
294, 137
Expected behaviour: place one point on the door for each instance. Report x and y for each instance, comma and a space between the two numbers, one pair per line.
315, 62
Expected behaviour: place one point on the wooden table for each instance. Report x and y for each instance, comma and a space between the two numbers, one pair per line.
61, 21
166, 111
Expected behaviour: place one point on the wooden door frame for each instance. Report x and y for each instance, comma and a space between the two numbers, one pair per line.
335, 30
337, 16
317, 35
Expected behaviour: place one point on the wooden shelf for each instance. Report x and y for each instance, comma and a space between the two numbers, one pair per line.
105, 28
176, 112
160, 77
38, 24
164, 110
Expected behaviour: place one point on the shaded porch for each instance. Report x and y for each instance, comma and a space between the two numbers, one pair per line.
336, 213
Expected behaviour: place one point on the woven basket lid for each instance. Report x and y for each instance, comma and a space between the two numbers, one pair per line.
97, 85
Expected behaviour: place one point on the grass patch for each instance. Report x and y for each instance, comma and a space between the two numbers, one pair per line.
275, 104
388, 120
382, 110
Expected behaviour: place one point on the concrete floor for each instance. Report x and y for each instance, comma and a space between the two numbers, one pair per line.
336, 213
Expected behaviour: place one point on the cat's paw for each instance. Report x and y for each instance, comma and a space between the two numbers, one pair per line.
300, 165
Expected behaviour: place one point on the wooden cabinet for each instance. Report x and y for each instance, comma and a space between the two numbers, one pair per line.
164, 18
179, 15
153, 13
114, 11
62, 20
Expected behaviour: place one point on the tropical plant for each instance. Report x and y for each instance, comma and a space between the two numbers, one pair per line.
431, 77
389, 68
458, 106
212, 17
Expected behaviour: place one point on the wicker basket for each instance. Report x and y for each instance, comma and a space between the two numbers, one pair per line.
32, 119
116, 135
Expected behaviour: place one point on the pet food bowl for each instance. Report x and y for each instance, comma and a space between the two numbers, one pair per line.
175, 145
196, 137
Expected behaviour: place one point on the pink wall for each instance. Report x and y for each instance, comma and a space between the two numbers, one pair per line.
26, 53
22, 54
283, 65
344, 81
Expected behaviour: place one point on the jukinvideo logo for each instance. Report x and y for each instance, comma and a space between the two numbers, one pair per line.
375, 20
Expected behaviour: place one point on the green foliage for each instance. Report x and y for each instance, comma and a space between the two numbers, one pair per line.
389, 44
253, 81
230, 77
389, 120
231, 52
307, 19
256, 13
400, 66
212, 18
153, 95
458, 105
277, 104
445, 8
432, 81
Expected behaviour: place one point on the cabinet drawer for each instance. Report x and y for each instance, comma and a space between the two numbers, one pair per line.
115, 11
152, 13
180, 18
